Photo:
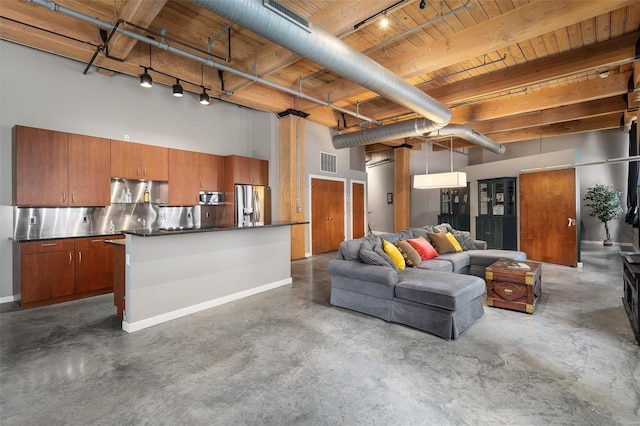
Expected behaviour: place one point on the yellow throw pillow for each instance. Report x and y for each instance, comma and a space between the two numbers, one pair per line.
456, 245
395, 255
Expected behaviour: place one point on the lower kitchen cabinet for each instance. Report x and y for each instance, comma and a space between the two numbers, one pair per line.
52, 271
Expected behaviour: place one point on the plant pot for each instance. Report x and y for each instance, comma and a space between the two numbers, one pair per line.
607, 243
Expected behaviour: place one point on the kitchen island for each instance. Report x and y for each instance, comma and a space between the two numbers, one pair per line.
177, 272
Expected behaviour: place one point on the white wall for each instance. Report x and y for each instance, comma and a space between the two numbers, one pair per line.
41, 90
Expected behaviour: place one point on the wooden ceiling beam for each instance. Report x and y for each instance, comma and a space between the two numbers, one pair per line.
139, 12
554, 97
599, 107
613, 52
337, 17
610, 121
520, 24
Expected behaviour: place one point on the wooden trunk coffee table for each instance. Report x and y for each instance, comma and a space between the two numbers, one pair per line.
514, 288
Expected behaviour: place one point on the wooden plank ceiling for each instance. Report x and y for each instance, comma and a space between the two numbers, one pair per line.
512, 69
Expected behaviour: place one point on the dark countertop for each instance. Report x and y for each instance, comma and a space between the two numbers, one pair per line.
162, 232
24, 239
147, 232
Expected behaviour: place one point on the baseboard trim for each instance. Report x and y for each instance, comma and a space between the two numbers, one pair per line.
7, 299
131, 327
599, 243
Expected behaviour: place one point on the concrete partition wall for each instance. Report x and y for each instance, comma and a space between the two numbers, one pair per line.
171, 276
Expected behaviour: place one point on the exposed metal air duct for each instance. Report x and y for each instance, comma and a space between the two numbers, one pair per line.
472, 136
289, 30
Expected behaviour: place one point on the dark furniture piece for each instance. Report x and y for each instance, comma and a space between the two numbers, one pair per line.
454, 208
497, 221
515, 289
631, 277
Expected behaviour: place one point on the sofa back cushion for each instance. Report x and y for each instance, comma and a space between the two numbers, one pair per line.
422, 246
371, 252
395, 255
411, 257
441, 243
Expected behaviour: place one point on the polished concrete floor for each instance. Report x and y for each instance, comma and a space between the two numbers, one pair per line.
287, 357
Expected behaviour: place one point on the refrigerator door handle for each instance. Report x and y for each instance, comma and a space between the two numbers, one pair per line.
256, 207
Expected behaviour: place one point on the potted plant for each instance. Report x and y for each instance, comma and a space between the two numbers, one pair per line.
604, 203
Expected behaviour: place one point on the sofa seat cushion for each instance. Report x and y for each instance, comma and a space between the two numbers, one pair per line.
436, 265
372, 280
441, 289
458, 260
487, 257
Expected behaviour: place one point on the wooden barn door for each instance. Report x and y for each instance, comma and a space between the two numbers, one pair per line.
327, 215
548, 216
357, 206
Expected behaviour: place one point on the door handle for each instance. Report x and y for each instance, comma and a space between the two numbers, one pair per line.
70, 258
572, 222
79, 257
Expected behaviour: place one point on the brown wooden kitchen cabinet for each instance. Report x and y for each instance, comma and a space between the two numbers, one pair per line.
72, 170
211, 172
94, 265
53, 271
46, 272
246, 170
184, 177
130, 160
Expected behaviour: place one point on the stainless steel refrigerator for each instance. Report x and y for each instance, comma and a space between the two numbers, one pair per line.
253, 205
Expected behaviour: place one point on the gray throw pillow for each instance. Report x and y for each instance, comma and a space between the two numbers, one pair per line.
350, 250
420, 232
372, 253
464, 239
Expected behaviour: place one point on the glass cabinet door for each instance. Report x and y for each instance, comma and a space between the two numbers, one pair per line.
510, 197
484, 198
445, 204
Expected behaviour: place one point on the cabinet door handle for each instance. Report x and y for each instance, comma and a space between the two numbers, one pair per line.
138, 171
64, 196
145, 171
73, 196
79, 257
70, 258
48, 244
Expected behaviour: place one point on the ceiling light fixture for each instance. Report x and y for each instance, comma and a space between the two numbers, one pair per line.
423, 4
384, 22
204, 98
441, 180
145, 78
178, 92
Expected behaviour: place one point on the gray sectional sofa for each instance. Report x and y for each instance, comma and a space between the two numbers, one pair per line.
442, 296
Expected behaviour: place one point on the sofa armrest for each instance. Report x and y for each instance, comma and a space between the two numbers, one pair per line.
480, 244
363, 272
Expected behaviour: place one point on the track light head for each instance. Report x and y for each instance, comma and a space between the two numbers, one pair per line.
423, 4
204, 98
178, 92
145, 79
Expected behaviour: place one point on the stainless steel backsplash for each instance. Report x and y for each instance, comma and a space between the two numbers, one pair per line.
39, 222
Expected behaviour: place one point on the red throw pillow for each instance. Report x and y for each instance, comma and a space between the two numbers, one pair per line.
424, 249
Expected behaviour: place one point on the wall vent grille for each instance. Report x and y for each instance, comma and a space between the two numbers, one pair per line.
288, 14
328, 162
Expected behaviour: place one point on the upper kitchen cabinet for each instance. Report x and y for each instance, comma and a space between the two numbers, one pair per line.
131, 160
59, 169
89, 171
211, 172
184, 177
246, 170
